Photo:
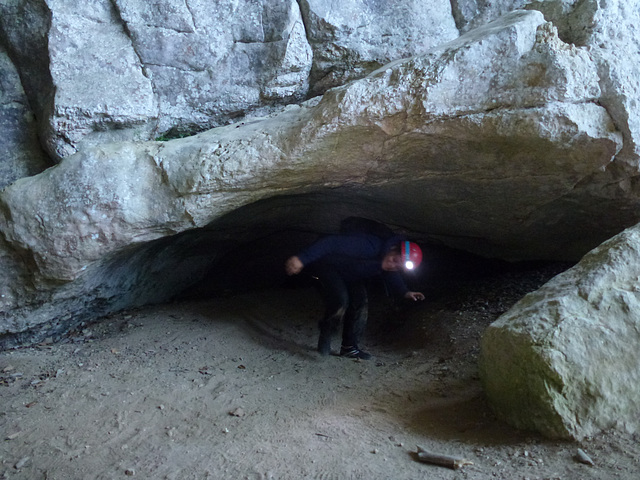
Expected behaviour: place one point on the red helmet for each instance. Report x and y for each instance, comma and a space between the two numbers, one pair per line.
411, 255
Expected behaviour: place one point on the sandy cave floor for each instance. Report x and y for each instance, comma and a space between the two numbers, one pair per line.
232, 388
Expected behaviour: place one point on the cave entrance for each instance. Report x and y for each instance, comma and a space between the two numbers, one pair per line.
245, 251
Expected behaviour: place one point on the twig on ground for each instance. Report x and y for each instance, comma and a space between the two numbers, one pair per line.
582, 457
442, 460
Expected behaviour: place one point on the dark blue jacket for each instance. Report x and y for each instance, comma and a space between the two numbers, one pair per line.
356, 257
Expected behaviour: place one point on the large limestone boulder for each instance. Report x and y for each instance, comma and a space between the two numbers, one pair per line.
481, 138
564, 360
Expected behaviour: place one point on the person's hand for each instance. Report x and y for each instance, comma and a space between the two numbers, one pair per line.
293, 266
415, 296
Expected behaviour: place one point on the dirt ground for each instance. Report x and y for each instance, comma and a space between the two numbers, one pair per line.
232, 388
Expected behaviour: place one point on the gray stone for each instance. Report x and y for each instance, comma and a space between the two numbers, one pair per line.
211, 62
608, 31
564, 360
20, 152
470, 14
94, 89
352, 38
170, 68
129, 70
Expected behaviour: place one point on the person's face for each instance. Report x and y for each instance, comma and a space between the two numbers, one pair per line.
392, 261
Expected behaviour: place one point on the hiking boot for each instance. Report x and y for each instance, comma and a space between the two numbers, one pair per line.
354, 352
324, 344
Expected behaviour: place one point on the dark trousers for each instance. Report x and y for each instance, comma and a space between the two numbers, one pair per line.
345, 302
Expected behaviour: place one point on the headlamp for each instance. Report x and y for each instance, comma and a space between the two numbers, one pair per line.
411, 255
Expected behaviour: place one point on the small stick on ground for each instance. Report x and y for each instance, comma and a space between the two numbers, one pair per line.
442, 460
582, 457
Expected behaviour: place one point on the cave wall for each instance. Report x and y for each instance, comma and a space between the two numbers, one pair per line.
507, 129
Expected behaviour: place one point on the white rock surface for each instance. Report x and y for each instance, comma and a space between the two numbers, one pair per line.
353, 37
211, 61
564, 360
124, 70
102, 92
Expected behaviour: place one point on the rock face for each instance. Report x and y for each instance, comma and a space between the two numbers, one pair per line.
21, 156
517, 139
210, 62
130, 70
564, 360
470, 14
81, 73
352, 38
436, 142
